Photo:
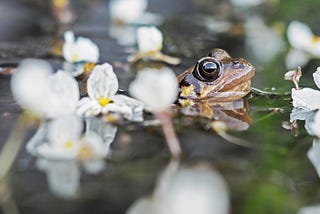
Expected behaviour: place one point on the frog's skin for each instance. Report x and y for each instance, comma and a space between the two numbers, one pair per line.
218, 77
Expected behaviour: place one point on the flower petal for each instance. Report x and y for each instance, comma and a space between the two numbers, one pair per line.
135, 106
80, 49
88, 107
127, 11
149, 39
63, 96
299, 35
306, 98
158, 89
296, 58
316, 77
29, 85
314, 155
102, 82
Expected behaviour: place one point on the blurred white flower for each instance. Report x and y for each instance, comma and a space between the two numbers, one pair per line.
314, 154
264, 41
305, 44
38, 90
179, 194
158, 89
124, 34
246, 3
127, 11
102, 87
149, 40
79, 49
314, 209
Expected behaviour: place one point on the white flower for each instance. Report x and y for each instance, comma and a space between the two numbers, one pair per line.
158, 89
314, 209
79, 49
246, 3
149, 39
102, 88
308, 98
127, 11
179, 194
314, 155
36, 89
264, 41
305, 44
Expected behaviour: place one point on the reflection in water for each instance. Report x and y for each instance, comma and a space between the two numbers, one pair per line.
176, 192
235, 114
63, 151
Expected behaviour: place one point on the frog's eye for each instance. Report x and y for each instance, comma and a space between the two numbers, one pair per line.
207, 69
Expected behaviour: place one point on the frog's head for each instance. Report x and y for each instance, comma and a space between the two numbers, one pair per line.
217, 76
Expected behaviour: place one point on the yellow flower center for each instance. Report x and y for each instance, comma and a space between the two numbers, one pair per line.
315, 39
75, 57
68, 144
85, 152
103, 101
60, 3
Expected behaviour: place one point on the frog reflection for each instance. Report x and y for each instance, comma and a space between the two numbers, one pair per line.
218, 77
235, 114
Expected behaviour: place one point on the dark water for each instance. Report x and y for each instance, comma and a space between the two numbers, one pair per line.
273, 177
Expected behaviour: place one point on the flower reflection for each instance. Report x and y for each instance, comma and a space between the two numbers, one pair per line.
65, 150
176, 192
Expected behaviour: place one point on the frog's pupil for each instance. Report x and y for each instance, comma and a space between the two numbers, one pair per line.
209, 67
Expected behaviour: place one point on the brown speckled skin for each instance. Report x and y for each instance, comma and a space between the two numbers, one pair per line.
233, 84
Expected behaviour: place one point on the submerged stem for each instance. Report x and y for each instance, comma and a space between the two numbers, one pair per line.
170, 134
7, 156
260, 92
13, 144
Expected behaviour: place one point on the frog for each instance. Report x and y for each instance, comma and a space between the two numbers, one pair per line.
217, 77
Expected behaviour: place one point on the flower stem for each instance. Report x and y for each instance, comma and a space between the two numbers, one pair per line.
169, 133
13, 144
